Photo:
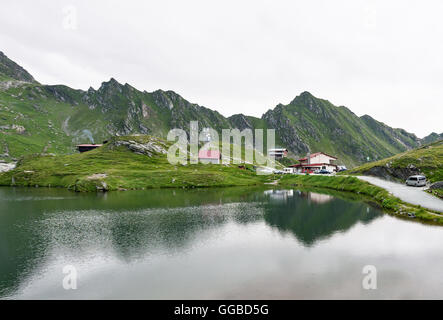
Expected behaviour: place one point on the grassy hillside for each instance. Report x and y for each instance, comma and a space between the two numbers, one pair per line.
427, 159
36, 118
9, 70
312, 124
433, 137
53, 119
116, 166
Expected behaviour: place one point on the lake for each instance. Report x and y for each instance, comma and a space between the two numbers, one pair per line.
227, 243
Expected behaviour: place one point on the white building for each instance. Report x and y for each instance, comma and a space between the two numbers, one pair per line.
316, 161
278, 153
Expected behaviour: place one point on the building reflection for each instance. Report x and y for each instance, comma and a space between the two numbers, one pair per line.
312, 216
279, 195
318, 197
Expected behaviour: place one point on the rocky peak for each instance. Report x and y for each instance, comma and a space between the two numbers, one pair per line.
110, 85
12, 70
240, 121
305, 98
432, 138
163, 99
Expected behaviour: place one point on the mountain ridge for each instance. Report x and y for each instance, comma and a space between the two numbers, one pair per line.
37, 118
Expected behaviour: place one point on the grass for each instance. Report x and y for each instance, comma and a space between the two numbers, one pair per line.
367, 191
117, 168
428, 159
114, 167
436, 192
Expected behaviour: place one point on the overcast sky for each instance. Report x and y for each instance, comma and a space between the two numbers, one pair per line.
382, 58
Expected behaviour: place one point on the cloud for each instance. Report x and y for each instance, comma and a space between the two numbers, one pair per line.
377, 58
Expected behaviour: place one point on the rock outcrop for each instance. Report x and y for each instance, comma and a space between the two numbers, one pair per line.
149, 147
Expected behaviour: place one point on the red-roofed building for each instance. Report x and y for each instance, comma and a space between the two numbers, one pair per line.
209, 156
316, 161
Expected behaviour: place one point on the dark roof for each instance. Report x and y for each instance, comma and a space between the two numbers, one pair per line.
89, 145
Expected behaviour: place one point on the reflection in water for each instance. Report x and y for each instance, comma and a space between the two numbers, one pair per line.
213, 243
318, 197
312, 216
279, 195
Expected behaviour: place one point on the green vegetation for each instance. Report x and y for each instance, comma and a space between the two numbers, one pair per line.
140, 162
427, 159
37, 118
367, 191
288, 161
310, 123
115, 167
436, 192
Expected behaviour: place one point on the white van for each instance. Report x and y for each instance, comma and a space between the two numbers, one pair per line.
416, 181
288, 170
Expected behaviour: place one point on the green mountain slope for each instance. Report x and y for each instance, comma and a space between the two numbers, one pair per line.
427, 159
9, 70
312, 124
432, 138
127, 162
36, 118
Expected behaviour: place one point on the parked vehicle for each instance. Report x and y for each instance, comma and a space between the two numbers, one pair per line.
416, 181
288, 170
324, 171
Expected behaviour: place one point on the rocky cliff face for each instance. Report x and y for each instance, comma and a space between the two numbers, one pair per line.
313, 124
54, 118
287, 130
10, 69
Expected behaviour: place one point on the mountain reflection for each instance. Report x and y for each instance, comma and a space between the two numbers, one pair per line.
37, 225
311, 216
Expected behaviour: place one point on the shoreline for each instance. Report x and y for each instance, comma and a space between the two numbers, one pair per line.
381, 196
365, 191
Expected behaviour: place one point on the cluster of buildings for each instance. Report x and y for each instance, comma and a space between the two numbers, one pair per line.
310, 163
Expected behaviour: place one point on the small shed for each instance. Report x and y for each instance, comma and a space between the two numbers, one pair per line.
87, 147
209, 156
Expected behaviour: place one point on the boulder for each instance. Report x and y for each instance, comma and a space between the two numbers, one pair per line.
436, 185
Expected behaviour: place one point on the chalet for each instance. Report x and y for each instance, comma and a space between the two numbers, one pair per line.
278, 153
209, 156
316, 161
87, 147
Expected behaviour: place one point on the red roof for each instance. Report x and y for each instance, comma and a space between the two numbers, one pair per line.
316, 154
312, 164
209, 154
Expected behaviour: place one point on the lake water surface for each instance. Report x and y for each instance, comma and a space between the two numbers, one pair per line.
227, 243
